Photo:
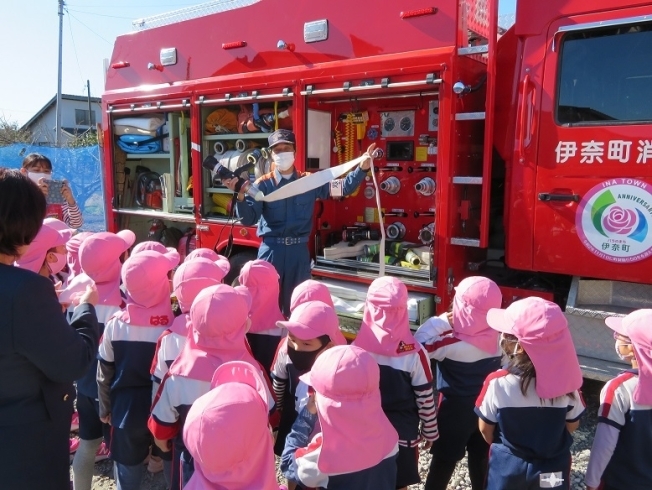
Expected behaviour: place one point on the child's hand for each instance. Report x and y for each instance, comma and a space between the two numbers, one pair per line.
426, 445
43, 185
311, 405
164, 445
91, 296
106, 420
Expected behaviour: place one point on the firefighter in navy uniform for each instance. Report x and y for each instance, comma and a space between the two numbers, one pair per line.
285, 225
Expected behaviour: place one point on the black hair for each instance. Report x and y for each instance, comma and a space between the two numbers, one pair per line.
22, 210
34, 159
324, 340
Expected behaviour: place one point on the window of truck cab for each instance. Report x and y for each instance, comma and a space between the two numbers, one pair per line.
605, 76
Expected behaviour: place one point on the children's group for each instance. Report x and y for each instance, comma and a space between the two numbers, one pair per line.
217, 382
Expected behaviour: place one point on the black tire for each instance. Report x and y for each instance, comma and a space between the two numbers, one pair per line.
237, 261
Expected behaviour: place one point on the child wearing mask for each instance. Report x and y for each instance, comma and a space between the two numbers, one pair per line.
261, 280
312, 328
405, 374
535, 402
357, 445
100, 259
125, 356
623, 438
466, 350
46, 255
39, 169
219, 318
234, 410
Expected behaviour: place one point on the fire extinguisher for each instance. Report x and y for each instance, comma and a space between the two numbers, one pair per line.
156, 230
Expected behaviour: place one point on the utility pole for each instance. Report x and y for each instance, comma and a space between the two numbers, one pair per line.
90, 117
58, 109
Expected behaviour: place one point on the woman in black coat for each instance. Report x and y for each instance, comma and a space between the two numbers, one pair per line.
40, 353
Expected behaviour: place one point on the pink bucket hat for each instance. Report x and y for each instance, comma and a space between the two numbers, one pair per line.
474, 297
145, 277
99, 257
60, 226
385, 328
75, 289
235, 410
638, 327
356, 432
219, 318
312, 320
48, 237
193, 276
261, 279
207, 253
72, 247
310, 290
542, 330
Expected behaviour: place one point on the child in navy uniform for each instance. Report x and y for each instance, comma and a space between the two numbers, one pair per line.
234, 410
357, 445
125, 355
219, 318
534, 402
467, 350
620, 456
99, 258
405, 375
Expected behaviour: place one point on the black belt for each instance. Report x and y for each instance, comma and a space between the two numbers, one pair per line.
288, 240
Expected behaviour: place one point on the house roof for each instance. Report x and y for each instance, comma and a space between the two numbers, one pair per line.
53, 101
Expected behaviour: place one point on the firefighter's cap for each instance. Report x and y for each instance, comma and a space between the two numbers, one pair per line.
281, 136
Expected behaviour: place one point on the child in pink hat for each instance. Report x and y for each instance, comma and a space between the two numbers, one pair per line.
620, 456
190, 278
46, 255
234, 410
466, 350
534, 401
126, 353
100, 259
357, 446
219, 318
261, 280
310, 290
312, 328
406, 378
72, 258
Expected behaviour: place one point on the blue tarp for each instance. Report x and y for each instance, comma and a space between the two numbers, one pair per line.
81, 167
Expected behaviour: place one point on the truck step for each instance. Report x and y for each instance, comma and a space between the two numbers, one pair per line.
465, 242
470, 116
484, 48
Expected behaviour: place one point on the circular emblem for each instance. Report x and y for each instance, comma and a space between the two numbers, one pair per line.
614, 219
372, 134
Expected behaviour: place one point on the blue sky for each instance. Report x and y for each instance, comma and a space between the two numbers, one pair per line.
29, 32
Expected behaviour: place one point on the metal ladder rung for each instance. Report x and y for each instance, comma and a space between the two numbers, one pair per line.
466, 242
467, 180
484, 48
470, 116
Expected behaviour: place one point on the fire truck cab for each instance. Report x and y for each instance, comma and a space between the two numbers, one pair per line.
524, 155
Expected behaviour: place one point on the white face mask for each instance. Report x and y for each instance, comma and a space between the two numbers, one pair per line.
36, 176
620, 343
284, 160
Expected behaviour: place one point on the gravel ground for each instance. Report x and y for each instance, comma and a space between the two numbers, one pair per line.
580, 450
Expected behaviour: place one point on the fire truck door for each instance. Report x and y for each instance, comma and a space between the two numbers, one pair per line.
593, 192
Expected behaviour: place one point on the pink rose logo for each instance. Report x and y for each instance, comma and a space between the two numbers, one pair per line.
619, 220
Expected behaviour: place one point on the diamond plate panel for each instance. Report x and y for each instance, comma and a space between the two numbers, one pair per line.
192, 12
613, 293
477, 17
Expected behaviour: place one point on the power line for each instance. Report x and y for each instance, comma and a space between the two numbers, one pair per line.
74, 48
100, 15
105, 40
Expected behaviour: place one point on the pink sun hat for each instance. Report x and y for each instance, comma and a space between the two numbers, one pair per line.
474, 297
310, 290
75, 289
219, 319
261, 279
638, 327
60, 226
235, 410
145, 277
385, 327
542, 330
99, 258
48, 237
312, 320
151, 246
72, 247
356, 432
212, 255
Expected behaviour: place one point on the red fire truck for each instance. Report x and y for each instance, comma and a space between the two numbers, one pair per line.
524, 155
